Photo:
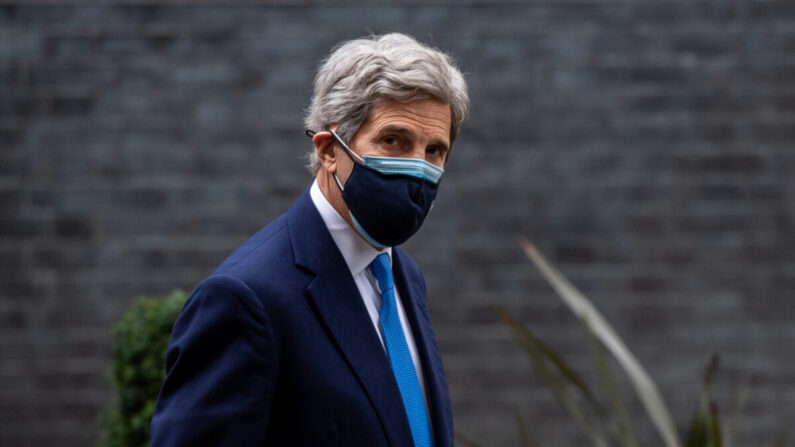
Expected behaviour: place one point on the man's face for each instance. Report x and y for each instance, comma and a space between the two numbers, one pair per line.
417, 129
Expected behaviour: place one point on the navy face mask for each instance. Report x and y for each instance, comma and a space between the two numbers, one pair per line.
388, 197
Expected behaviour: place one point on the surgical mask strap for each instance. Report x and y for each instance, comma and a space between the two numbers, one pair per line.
347, 149
338, 182
350, 153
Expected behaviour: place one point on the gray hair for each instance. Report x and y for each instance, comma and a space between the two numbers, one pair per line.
361, 72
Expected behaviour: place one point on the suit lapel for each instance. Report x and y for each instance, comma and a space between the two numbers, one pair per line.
412, 295
336, 298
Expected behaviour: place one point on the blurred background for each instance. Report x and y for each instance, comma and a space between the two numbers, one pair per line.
646, 147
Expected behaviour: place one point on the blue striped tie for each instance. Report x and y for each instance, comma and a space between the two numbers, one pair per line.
399, 355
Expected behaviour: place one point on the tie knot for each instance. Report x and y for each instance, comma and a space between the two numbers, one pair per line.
382, 271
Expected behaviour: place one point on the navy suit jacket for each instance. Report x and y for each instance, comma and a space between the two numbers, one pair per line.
276, 348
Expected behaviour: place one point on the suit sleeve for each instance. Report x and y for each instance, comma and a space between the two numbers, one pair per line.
221, 370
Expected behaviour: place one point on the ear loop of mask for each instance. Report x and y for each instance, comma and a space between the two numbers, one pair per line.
348, 151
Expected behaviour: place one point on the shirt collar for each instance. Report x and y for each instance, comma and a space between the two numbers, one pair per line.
358, 254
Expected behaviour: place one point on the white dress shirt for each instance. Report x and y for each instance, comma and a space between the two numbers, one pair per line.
358, 254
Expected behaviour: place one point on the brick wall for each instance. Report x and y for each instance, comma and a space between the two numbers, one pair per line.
648, 148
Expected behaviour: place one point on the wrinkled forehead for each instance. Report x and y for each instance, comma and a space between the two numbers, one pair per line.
427, 118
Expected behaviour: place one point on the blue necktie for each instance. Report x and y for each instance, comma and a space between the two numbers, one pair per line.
399, 355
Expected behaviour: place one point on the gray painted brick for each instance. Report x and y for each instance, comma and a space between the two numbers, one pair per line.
645, 147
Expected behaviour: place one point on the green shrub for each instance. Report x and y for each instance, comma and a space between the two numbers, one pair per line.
138, 369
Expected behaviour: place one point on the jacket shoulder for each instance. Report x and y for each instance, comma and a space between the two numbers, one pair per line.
265, 264
268, 245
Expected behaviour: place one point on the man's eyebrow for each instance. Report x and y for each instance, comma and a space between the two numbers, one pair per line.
395, 129
405, 131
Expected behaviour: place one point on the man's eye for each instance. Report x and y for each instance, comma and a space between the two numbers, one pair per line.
433, 150
390, 140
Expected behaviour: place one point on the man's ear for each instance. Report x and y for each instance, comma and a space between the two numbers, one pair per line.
324, 147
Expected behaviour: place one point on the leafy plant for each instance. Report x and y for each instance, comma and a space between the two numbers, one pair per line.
138, 368
609, 424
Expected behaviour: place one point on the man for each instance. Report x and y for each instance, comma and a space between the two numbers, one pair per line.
315, 331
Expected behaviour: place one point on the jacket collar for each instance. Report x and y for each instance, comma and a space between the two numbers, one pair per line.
334, 294
413, 295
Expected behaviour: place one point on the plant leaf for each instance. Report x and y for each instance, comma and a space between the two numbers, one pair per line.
699, 433
714, 426
585, 311
565, 370
552, 377
527, 441
625, 435
709, 371
735, 420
